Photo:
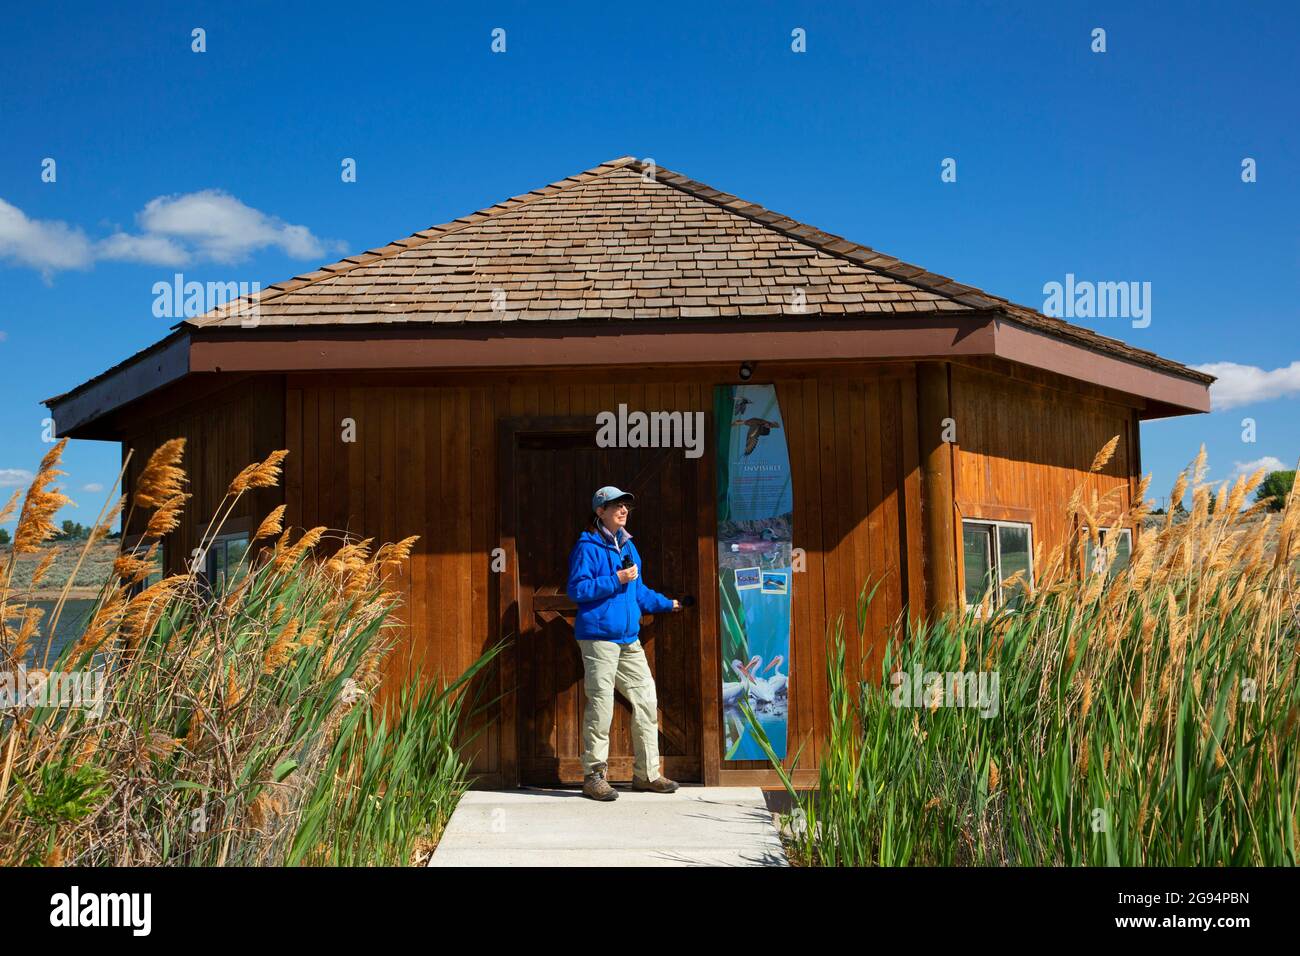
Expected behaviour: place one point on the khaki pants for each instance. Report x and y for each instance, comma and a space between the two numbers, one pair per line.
608, 667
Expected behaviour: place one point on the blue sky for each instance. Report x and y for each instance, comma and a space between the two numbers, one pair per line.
1115, 166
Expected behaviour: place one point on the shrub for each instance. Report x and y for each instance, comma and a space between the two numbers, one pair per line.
1275, 488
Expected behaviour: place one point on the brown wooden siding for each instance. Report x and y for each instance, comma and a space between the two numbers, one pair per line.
424, 463
1024, 447
224, 432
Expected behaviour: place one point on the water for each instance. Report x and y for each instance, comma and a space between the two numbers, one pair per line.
72, 622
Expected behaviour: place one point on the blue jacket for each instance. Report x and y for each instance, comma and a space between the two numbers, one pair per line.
608, 610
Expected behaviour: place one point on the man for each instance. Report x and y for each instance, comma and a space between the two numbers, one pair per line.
605, 582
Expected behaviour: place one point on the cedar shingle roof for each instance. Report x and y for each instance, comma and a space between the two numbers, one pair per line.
622, 242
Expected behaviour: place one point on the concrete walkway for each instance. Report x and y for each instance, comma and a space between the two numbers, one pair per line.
696, 826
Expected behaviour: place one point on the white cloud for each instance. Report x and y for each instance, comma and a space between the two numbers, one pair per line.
208, 225
93, 487
223, 229
15, 477
44, 244
151, 250
1245, 384
1268, 463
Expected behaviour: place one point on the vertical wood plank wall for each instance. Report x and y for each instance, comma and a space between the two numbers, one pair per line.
424, 463
1023, 448
224, 432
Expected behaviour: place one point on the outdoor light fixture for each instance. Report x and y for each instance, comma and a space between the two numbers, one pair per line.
746, 370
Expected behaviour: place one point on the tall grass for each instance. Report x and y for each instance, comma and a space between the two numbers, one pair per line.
1151, 720
236, 728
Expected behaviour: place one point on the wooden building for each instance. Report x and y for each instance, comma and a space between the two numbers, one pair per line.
446, 386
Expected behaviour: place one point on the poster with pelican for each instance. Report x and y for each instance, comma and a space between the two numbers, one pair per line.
755, 512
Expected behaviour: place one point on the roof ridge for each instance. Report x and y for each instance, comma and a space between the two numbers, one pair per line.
827, 242
890, 266
413, 241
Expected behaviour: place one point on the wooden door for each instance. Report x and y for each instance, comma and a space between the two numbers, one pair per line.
553, 476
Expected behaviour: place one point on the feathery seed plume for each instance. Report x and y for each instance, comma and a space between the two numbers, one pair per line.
160, 480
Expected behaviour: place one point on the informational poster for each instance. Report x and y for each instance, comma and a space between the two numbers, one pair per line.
755, 513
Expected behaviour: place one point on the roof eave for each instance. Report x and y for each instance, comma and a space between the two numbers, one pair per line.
77, 411
81, 413
1168, 390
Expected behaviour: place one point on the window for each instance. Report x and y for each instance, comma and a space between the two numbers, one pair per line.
1094, 557
993, 551
224, 559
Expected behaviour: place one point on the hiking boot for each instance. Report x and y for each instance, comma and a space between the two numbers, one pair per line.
595, 785
658, 785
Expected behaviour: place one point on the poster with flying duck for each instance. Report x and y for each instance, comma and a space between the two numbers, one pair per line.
755, 515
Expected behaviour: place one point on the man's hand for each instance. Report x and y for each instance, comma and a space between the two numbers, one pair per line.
627, 574
677, 605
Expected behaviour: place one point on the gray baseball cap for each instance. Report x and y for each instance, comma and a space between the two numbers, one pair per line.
607, 494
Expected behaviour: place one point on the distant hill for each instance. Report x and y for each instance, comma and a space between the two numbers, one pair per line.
94, 571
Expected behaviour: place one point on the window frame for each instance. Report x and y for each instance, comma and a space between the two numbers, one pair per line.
1088, 569
210, 556
994, 537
